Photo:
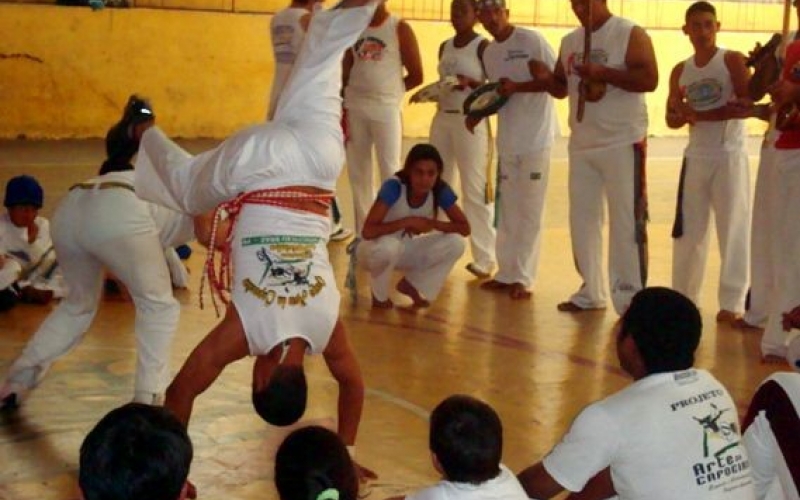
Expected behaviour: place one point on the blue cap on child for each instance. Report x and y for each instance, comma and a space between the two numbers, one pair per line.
24, 190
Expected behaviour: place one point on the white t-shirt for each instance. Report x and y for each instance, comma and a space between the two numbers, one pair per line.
14, 240
620, 117
527, 122
667, 436
376, 77
708, 88
503, 487
459, 61
775, 433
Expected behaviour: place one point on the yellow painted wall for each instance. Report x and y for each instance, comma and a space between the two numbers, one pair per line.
66, 72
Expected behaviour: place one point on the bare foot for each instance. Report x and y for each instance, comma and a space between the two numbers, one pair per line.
519, 292
725, 316
407, 289
495, 285
382, 304
774, 359
741, 324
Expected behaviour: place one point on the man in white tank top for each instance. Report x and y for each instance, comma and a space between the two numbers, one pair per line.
466, 154
525, 135
709, 92
374, 86
606, 152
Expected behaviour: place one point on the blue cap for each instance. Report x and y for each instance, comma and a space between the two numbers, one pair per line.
24, 190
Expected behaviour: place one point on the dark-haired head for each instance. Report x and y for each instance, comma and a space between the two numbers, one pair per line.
416, 156
283, 401
665, 327
136, 451
466, 436
701, 6
312, 463
420, 152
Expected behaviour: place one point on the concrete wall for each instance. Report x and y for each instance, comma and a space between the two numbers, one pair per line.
66, 72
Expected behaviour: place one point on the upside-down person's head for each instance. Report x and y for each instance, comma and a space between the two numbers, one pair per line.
466, 438
282, 401
665, 329
312, 463
136, 451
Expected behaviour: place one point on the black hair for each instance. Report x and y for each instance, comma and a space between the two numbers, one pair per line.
283, 401
467, 437
666, 328
701, 6
421, 152
311, 460
136, 451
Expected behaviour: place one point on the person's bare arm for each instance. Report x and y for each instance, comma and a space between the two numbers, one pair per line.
458, 222
554, 82
343, 365
678, 112
538, 483
641, 72
225, 344
600, 487
409, 55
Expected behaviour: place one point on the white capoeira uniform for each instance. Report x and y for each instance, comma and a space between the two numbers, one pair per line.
103, 224
607, 157
526, 129
36, 260
283, 284
373, 98
772, 437
287, 37
787, 266
426, 259
468, 151
764, 242
715, 177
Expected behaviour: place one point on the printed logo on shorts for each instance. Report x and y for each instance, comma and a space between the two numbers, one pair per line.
370, 49
287, 278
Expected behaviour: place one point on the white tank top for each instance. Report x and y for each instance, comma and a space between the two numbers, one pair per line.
620, 117
287, 37
707, 88
377, 73
459, 61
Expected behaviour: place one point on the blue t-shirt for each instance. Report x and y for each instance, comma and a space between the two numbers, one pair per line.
392, 189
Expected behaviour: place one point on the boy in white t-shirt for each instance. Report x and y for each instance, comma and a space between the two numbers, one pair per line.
466, 443
673, 433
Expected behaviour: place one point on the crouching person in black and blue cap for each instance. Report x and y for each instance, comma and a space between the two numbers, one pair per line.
28, 268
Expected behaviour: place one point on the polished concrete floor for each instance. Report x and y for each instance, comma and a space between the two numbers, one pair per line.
538, 367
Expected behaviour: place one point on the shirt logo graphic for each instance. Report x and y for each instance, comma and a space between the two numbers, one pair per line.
370, 49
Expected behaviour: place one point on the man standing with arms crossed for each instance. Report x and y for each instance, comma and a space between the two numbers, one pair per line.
606, 151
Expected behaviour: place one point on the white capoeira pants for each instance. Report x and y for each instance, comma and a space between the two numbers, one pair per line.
618, 173
720, 184
378, 126
466, 155
764, 241
772, 437
95, 229
522, 186
787, 291
426, 261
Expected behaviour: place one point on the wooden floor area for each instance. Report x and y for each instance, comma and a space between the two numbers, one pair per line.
538, 367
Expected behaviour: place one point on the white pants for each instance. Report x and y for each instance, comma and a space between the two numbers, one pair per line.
721, 184
764, 242
85, 244
380, 126
9, 273
426, 261
787, 292
470, 152
619, 174
521, 187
